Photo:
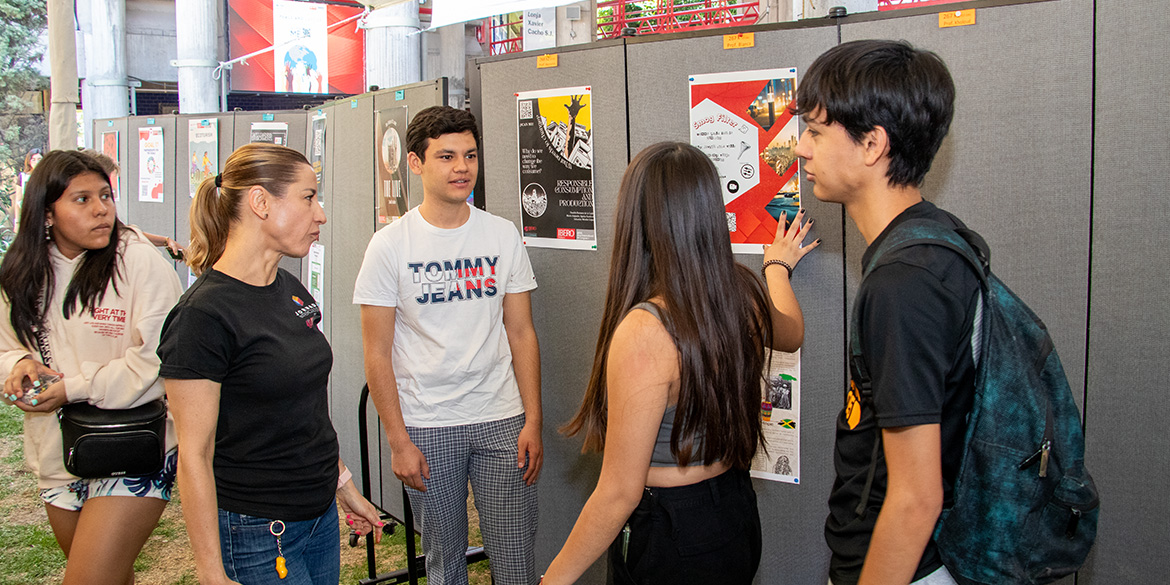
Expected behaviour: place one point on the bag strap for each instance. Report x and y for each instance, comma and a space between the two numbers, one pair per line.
968, 244
42, 333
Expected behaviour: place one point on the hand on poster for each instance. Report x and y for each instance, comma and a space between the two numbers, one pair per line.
788, 246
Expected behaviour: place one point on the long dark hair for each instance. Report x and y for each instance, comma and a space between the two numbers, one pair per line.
671, 243
26, 273
216, 207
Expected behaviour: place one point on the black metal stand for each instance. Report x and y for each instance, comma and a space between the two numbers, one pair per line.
415, 564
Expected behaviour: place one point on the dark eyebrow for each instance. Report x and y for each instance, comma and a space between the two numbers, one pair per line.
449, 151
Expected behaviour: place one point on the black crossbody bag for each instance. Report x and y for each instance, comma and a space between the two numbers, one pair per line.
98, 442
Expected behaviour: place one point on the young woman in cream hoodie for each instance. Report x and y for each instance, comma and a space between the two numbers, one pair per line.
101, 292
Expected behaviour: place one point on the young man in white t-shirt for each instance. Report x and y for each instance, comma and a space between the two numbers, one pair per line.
452, 358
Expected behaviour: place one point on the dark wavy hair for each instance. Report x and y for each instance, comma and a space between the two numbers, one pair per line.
434, 122
870, 83
671, 243
26, 274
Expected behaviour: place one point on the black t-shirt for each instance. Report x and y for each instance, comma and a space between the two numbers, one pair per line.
915, 314
275, 448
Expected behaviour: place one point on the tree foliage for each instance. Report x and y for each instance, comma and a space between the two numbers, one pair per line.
22, 22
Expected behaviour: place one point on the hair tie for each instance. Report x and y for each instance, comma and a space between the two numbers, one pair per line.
219, 181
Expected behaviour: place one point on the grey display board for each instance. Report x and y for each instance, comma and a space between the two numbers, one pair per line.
1128, 325
567, 305
350, 160
118, 126
297, 130
792, 516
1018, 166
152, 217
351, 209
226, 144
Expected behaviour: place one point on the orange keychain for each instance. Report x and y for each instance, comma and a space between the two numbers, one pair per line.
281, 569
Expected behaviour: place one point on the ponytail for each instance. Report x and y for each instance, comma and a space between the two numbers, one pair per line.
219, 199
210, 221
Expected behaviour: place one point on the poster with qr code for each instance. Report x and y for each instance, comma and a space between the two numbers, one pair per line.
779, 458
555, 139
741, 121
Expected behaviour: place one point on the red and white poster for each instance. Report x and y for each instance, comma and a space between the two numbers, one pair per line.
150, 164
110, 149
741, 121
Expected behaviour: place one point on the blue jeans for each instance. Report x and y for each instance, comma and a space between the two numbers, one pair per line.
312, 549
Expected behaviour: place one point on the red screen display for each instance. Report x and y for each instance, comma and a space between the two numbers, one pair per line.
251, 28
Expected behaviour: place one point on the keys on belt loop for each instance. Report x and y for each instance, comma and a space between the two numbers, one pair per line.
276, 528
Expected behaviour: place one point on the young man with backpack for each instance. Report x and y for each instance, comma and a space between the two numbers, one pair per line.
959, 453
875, 114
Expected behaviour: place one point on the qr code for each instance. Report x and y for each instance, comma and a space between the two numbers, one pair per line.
731, 222
526, 110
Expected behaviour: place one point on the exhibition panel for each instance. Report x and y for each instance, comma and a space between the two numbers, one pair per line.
567, 306
349, 158
1016, 164
149, 167
356, 148
204, 142
112, 139
283, 128
660, 105
1128, 320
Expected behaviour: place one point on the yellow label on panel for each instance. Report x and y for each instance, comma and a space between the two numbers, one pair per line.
546, 61
956, 18
739, 41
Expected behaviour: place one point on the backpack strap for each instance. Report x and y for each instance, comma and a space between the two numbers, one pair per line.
916, 232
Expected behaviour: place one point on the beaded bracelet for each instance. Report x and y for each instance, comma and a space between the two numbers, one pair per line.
767, 263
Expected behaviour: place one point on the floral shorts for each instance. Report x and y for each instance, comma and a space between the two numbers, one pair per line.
72, 496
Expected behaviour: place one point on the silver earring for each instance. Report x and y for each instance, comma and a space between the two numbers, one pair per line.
48, 231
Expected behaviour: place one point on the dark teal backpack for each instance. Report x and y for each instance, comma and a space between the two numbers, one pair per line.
1025, 508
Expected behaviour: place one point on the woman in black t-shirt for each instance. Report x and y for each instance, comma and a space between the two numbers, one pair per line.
246, 374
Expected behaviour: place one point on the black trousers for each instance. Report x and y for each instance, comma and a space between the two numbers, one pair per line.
704, 533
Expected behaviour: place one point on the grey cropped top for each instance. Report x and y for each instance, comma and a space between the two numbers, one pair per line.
661, 456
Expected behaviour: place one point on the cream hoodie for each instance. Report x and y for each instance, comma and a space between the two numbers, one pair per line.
108, 357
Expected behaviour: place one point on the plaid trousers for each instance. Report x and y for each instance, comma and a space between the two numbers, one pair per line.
485, 454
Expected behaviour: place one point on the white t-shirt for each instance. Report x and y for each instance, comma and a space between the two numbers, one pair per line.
451, 356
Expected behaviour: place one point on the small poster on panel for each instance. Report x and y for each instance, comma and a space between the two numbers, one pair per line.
778, 459
556, 168
150, 164
317, 152
110, 149
317, 279
390, 155
741, 121
270, 132
202, 152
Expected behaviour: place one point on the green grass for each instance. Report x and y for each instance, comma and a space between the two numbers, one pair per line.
31, 555
390, 555
11, 421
